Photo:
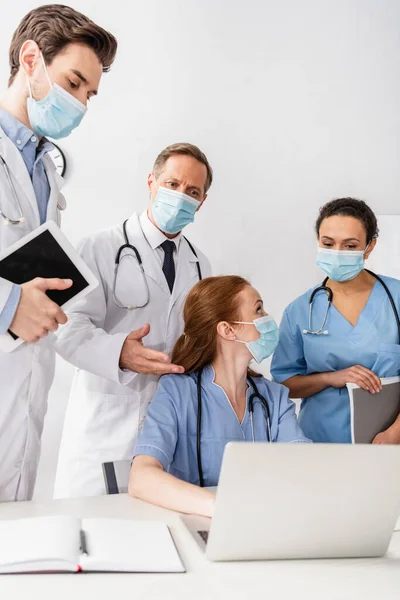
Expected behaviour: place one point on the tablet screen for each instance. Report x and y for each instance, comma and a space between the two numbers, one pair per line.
43, 257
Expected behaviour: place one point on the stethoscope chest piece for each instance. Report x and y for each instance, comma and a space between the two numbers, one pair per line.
329, 293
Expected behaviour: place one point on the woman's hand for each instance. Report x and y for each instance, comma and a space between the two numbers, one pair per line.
389, 436
148, 481
364, 378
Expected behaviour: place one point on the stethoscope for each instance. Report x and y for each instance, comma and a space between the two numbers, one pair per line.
254, 396
119, 258
328, 291
7, 220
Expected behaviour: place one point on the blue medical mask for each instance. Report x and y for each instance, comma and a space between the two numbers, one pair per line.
57, 114
173, 210
267, 342
341, 265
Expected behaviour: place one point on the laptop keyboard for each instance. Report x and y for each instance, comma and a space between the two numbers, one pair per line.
203, 535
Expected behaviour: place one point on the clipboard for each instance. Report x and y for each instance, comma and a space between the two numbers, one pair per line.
371, 414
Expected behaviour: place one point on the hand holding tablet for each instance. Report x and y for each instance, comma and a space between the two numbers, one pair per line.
52, 275
36, 314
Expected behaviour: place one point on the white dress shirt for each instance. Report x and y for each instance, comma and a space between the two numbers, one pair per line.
155, 237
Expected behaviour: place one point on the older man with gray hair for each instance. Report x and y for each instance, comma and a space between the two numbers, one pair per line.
146, 268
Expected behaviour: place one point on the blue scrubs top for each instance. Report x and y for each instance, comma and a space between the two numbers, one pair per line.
373, 343
169, 429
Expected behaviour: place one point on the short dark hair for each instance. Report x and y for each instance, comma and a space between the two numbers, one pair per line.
53, 27
350, 207
187, 150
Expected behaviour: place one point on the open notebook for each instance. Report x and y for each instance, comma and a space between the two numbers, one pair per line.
58, 544
372, 413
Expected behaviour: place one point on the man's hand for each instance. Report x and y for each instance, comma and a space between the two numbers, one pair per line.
138, 358
36, 314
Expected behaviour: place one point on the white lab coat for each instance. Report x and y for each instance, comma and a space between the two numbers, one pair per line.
27, 373
107, 406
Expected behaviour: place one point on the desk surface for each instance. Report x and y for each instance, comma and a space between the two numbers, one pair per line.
339, 579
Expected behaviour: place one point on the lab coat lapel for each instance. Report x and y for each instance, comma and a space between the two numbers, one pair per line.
152, 267
56, 182
186, 271
21, 180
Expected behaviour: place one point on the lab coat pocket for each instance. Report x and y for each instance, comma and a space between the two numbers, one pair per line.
387, 363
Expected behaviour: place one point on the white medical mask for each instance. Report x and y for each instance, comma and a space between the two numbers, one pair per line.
57, 114
267, 342
341, 265
172, 210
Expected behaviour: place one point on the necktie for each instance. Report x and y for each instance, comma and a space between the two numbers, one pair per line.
169, 265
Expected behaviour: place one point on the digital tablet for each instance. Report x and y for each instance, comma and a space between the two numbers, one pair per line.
45, 252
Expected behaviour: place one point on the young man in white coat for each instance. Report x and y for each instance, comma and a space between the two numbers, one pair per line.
57, 57
117, 374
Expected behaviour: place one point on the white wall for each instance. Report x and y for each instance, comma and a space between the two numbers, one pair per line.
293, 102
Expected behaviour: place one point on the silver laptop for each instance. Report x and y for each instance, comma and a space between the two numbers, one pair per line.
287, 501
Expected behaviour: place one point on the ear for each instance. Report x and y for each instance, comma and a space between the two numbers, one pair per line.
151, 179
226, 331
370, 249
29, 57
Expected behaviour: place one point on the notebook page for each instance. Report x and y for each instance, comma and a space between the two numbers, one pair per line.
132, 546
39, 543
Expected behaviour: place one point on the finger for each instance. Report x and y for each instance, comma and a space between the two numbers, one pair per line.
369, 373
370, 383
161, 368
366, 376
52, 325
376, 380
55, 313
53, 284
362, 383
145, 367
139, 334
154, 355
59, 316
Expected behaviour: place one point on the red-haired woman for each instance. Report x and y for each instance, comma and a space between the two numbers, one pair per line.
225, 327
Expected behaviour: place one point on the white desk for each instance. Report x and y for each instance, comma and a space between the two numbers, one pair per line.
364, 579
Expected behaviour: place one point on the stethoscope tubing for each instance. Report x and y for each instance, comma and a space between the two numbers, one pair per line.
7, 220
254, 396
329, 292
119, 257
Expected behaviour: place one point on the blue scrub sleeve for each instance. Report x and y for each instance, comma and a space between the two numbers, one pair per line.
289, 430
288, 359
159, 434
